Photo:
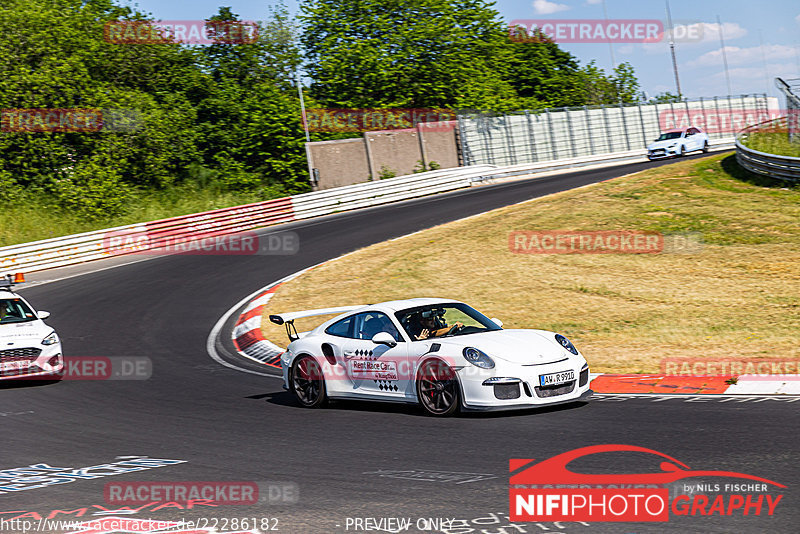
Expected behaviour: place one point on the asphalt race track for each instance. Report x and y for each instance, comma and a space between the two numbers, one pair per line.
351, 460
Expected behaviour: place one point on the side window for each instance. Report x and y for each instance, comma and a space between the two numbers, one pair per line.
368, 324
341, 328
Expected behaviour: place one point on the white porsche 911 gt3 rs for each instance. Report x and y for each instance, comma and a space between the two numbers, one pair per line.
439, 353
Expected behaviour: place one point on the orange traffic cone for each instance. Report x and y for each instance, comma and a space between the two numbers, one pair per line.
19, 278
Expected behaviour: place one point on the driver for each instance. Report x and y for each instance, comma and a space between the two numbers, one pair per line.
431, 324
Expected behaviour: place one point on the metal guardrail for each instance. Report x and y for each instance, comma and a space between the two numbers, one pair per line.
139, 238
772, 165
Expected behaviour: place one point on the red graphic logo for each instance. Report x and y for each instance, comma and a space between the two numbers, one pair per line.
366, 120
607, 500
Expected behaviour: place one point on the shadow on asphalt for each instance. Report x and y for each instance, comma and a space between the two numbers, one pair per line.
285, 398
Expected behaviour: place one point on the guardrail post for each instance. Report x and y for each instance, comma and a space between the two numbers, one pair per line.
625, 126
485, 119
571, 136
370, 162
510, 140
641, 121
589, 135
532, 140
552, 135
608, 129
716, 110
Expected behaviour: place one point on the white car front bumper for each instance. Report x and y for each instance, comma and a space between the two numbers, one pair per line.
522, 390
24, 362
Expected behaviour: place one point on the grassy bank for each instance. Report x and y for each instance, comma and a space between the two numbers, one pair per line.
773, 143
737, 297
31, 217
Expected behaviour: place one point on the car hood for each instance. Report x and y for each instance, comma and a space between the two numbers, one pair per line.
663, 144
19, 334
532, 347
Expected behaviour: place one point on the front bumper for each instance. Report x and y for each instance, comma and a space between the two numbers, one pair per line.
661, 153
31, 362
521, 389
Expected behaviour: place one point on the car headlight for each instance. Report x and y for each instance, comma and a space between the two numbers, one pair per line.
673, 145
52, 339
478, 358
566, 343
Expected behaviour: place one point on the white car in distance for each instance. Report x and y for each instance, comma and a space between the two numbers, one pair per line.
678, 142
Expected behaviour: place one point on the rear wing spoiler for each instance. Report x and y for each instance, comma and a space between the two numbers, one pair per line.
288, 319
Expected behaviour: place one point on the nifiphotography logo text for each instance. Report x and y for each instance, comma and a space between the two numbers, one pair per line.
549, 491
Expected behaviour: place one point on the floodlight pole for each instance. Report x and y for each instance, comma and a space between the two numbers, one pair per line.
724, 55
302, 106
672, 51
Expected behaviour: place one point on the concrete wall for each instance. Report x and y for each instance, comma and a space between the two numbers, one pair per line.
350, 161
340, 162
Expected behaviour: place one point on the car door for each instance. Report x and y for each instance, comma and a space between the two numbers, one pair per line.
693, 143
376, 369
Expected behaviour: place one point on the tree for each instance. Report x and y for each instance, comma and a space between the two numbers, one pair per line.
544, 75
407, 53
665, 98
599, 88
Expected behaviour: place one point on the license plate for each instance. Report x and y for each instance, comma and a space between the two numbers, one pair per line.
553, 379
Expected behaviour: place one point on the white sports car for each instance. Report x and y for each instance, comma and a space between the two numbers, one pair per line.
679, 142
28, 347
439, 353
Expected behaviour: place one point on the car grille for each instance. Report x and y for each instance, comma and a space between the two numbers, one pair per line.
554, 391
18, 355
506, 391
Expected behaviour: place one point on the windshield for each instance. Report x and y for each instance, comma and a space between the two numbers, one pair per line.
440, 320
15, 311
669, 135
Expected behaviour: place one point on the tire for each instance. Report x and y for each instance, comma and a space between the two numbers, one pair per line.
683, 151
437, 389
705, 147
308, 382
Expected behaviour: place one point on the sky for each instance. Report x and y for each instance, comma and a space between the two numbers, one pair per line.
762, 38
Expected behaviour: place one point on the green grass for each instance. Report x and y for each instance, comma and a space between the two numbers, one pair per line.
737, 297
773, 143
31, 217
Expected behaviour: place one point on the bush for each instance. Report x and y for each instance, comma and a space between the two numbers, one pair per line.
93, 191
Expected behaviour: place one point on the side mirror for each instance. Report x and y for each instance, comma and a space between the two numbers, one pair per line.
43, 314
497, 321
384, 338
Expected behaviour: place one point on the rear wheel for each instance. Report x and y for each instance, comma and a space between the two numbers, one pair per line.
437, 388
308, 383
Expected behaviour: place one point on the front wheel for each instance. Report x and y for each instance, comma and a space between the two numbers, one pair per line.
705, 147
308, 383
683, 151
437, 388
